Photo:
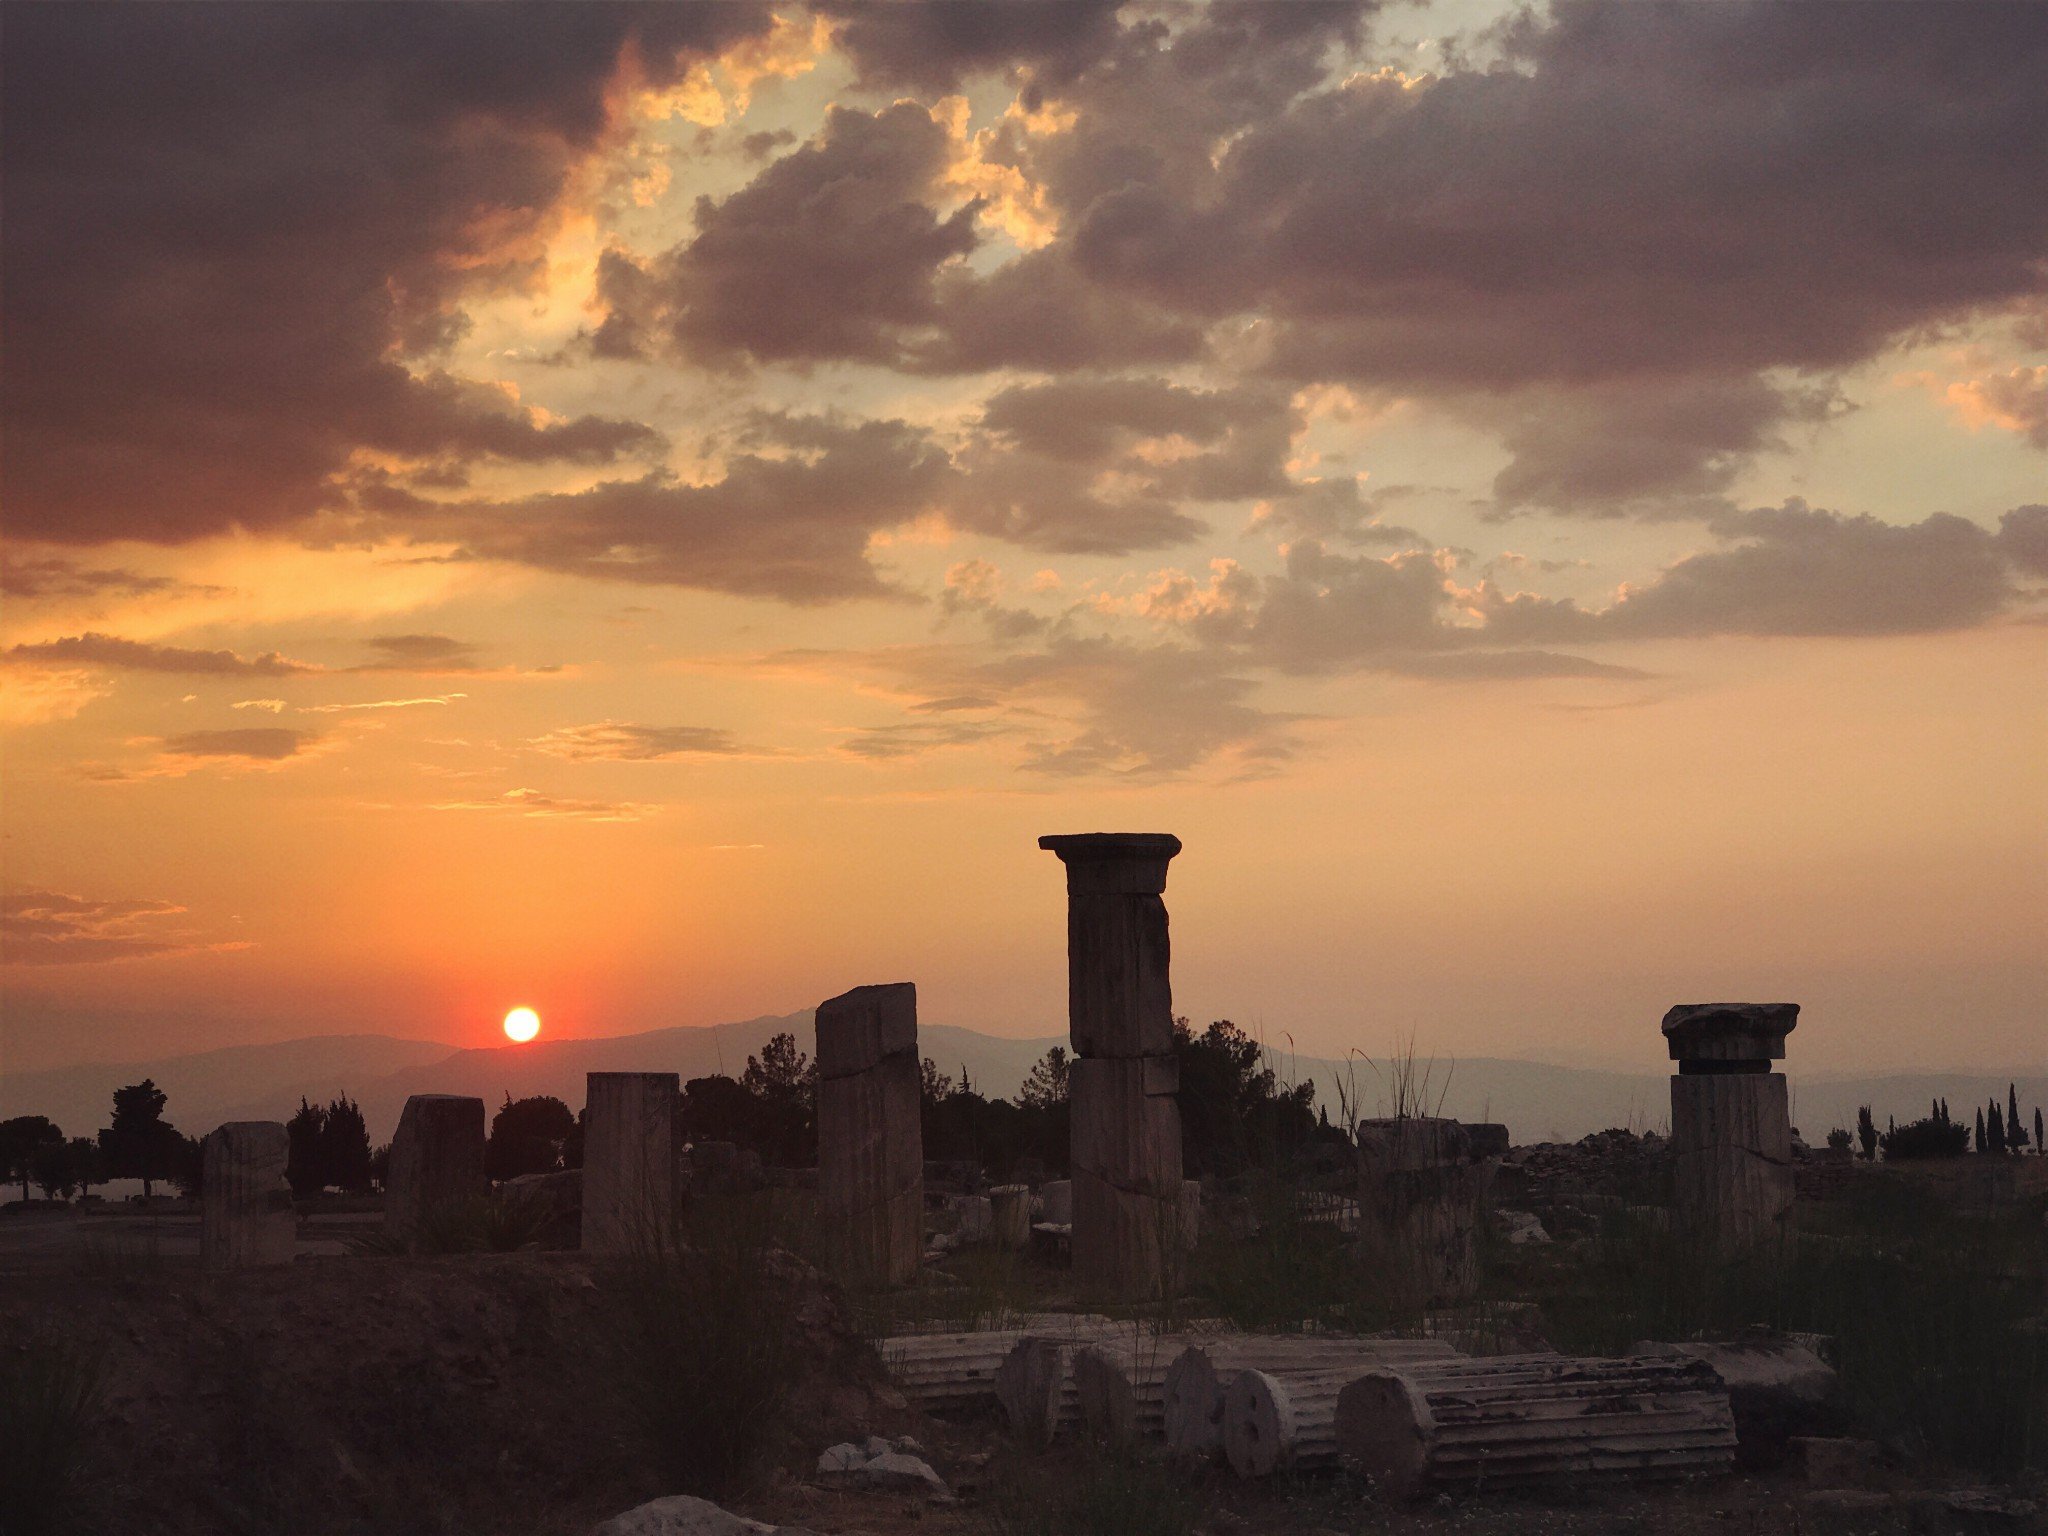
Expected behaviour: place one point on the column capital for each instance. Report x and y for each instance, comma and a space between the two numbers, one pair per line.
1730, 1032
1114, 863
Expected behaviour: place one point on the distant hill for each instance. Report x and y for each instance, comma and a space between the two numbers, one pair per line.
1537, 1101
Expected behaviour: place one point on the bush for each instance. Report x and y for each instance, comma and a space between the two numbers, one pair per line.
1936, 1136
50, 1393
704, 1356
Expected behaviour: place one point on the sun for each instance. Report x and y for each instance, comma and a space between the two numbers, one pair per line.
522, 1024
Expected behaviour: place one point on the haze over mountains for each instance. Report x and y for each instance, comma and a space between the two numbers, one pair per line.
1538, 1101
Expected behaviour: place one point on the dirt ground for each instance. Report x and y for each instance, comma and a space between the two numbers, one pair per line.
470, 1395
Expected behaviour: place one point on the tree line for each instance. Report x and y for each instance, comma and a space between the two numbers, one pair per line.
1235, 1114
2000, 1131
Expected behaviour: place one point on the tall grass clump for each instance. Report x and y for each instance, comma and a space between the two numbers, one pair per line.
1103, 1495
703, 1349
50, 1395
499, 1222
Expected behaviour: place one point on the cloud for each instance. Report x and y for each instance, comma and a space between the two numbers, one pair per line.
791, 520
618, 741
230, 231
423, 653
49, 928
935, 44
53, 576
111, 651
918, 738
830, 252
335, 709
1796, 570
2016, 401
533, 804
256, 744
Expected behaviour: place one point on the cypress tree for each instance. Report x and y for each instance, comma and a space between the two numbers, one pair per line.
1980, 1130
2015, 1129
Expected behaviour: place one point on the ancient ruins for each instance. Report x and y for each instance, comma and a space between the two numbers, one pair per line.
1126, 1123
632, 1142
1731, 1122
437, 1162
870, 1145
246, 1215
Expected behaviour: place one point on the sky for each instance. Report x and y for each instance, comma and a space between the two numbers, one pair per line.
648, 512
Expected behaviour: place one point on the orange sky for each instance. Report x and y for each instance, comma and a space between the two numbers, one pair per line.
674, 565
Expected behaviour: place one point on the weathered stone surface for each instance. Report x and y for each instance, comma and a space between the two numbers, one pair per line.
682, 1515
246, 1220
958, 1370
437, 1161
1193, 1392
1010, 1215
1779, 1389
1729, 1032
1056, 1202
857, 1029
870, 1138
1422, 1196
1119, 997
1532, 1420
632, 1146
1731, 1147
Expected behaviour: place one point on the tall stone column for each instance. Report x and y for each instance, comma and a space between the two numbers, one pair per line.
246, 1220
632, 1143
1122, 1086
1731, 1125
437, 1161
870, 1132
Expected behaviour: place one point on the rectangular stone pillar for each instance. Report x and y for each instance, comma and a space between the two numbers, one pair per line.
1122, 1086
437, 1161
246, 1220
632, 1145
1731, 1124
870, 1131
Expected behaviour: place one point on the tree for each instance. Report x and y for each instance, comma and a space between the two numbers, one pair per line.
2015, 1128
1932, 1137
19, 1139
1839, 1140
1994, 1130
141, 1144
936, 1084
527, 1136
345, 1146
782, 1073
2040, 1141
1047, 1083
1980, 1130
1866, 1133
1233, 1112
87, 1165
52, 1167
305, 1167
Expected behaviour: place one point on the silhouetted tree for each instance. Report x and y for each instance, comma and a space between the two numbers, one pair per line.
2015, 1128
1866, 1133
1932, 1137
1994, 1130
88, 1166
1233, 1112
188, 1164
2040, 1142
141, 1144
1980, 1131
1839, 1140
54, 1169
527, 1136
345, 1146
19, 1139
936, 1085
1047, 1083
783, 1082
380, 1165
305, 1166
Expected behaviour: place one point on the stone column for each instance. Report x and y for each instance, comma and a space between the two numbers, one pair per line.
870, 1132
1731, 1126
437, 1162
246, 1220
1122, 1086
632, 1143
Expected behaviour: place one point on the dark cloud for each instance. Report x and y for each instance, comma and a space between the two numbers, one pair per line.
264, 744
97, 650
793, 526
2023, 537
227, 225
832, 251
1795, 570
619, 741
1673, 198
934, 44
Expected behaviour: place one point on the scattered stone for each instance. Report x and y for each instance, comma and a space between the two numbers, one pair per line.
896, 1470
1521, 1226
882, 1464
680, 1514
841, 1458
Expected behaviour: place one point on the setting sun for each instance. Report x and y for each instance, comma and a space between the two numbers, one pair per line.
522, 1024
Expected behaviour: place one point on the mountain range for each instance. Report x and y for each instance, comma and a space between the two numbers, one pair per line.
1538, 1101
